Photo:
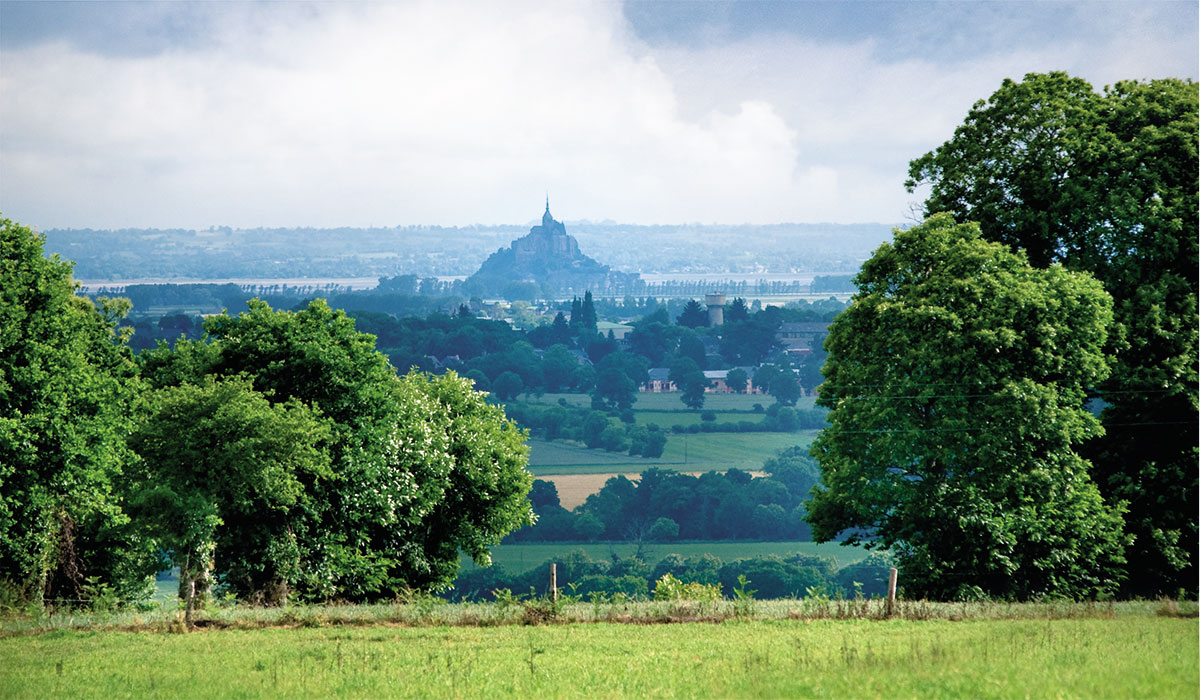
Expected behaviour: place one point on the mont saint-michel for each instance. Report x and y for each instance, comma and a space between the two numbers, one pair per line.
547, 260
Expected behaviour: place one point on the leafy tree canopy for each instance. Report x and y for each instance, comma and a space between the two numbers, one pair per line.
422, 466
1107, 183
219, 456
956, 381
67, 391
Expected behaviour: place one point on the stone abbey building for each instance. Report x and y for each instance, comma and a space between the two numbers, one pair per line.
546, 261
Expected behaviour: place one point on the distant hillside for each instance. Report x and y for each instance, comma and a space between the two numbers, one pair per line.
219, 253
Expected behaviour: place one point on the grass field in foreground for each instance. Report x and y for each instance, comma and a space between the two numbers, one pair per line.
522, 557
1143, 657
698, 452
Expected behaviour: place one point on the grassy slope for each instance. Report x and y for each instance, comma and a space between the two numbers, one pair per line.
1142, 657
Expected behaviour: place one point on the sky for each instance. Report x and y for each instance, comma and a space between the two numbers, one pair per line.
189, 115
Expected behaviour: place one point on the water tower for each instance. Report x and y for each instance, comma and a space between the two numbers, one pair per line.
716, 308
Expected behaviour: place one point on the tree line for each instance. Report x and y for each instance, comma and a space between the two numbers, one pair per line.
664, 506
793, 576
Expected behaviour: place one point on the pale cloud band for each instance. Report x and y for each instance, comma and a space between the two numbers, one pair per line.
387, 114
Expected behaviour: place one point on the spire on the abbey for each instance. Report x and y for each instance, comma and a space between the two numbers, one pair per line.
548, 240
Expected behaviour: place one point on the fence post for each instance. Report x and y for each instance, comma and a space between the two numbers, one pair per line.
554, 582
891, 599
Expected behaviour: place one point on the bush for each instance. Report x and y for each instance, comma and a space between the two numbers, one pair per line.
663, 530
628, 585
708, 416
670, 588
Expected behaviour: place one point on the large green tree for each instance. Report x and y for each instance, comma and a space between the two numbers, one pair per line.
401, 449
956, 383
220, 452
67, 388
1106, 183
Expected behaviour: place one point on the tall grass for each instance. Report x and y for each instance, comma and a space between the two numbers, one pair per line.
1008, 652
435, 612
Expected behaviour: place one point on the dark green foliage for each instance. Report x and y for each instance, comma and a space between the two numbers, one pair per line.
618, 376
67, 392
793, 576
422, 466
868, 577
664, 504
752, 341
653, 341
693, 316
737, 311
507, 386
222, 479
956, 382
543, 495
772, 577
737, 380
691, 381
1107, 183
663, 530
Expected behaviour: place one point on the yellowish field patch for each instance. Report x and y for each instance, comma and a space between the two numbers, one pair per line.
573, 489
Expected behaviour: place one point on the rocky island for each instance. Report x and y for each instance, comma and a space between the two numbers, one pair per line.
545, 262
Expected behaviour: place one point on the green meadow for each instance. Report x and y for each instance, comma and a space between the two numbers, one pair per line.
697, 452
1127, 656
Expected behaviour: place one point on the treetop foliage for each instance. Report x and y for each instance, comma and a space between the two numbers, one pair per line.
955, 382
1106, 182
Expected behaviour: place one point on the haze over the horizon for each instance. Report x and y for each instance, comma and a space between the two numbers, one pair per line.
184, 114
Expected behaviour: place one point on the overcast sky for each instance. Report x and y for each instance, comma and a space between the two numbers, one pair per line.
176, 114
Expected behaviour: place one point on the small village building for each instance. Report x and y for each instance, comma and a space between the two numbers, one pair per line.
800, 339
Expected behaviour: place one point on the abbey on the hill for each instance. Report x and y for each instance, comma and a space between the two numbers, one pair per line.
545, 261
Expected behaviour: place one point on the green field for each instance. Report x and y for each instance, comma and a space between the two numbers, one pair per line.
699, 452
558, 457
1126, 657
522, 557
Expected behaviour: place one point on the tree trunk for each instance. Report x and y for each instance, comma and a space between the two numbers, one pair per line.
191, 599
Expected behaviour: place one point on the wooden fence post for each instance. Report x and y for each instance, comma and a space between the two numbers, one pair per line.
891, 599
554, 582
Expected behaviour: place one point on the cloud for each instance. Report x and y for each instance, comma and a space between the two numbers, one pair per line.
379, 114
457, 113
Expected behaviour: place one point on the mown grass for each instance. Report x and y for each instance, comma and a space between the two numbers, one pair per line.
1121, 651
699, 452
721, 451
516, 558
557, 457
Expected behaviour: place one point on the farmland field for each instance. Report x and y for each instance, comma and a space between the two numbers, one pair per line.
558, 457
522, 557
697, 452
1125, 657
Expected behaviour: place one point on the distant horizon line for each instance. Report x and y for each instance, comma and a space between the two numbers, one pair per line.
531, 222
